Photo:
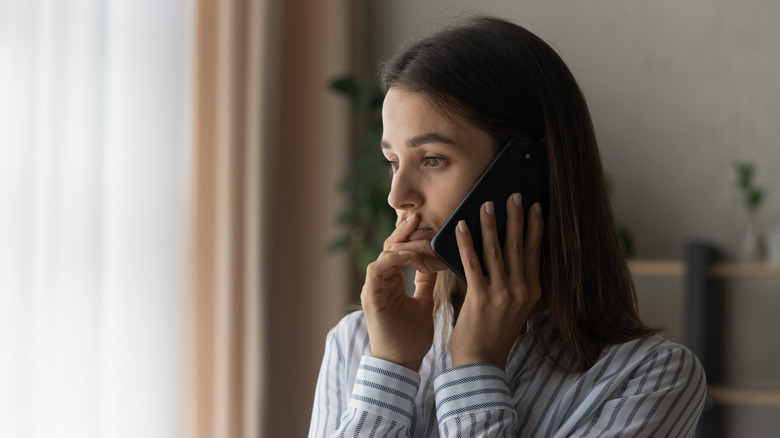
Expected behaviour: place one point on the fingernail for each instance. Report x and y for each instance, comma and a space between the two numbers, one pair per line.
410, 217
489, 207
538, 208
404, 253
462, 227
518, 199
427, 265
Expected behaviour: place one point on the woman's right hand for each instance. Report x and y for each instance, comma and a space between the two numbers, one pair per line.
497, 306
400, 326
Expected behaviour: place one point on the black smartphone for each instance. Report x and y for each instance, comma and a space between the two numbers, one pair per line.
521, 166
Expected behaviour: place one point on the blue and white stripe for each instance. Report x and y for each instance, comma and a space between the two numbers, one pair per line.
468, 388
647, 387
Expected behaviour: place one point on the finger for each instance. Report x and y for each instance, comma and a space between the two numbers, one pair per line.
424, 250
402, 231
419, 246
468, 256
382, 276
491, 248
423, 287
387, 264
513, 243
422, 263
533, 244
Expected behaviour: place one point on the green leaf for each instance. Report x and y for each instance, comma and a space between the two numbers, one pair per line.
753, 195
345, 85
366, 217
340, 243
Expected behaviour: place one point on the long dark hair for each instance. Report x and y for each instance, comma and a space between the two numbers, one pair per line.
507, 81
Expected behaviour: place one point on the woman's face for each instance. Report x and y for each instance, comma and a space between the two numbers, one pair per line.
435, 159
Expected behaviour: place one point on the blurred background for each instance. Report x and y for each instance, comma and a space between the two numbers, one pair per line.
178, 218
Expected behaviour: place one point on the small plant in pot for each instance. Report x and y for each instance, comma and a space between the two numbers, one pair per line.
752, 197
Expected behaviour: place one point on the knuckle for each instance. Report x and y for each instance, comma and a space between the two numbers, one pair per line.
529, 295
502, 300
505, 295
373, 266
479, 302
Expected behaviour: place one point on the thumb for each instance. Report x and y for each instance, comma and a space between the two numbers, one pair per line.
423, 286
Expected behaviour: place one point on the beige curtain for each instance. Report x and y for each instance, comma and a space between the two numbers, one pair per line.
272, 143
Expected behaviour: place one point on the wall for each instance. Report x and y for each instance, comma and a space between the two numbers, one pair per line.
678, 90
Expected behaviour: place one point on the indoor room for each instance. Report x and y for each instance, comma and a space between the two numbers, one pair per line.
196, 194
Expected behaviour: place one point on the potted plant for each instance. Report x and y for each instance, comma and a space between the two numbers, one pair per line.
752, 197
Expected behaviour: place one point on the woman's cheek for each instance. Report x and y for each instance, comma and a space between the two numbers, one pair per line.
448, 196
451, 204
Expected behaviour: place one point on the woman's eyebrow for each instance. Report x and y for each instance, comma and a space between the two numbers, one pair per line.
430, 137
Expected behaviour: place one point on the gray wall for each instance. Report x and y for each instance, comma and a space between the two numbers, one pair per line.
678, 90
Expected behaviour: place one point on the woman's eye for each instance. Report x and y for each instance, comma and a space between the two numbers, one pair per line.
434, 161
391, 164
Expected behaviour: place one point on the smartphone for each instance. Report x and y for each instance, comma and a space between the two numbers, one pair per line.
521, 166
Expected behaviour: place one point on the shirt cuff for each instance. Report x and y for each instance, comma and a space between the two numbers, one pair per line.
385, 388
471, 388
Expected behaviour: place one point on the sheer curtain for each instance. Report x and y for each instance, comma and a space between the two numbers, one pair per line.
94, 181
168, 187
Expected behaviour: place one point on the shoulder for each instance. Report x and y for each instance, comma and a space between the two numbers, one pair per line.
645, 387
655, 352
350, 324
350, 335
657, 364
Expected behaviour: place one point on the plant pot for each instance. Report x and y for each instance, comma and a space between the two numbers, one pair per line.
752, 248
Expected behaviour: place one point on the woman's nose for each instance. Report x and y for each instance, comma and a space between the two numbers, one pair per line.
404, 191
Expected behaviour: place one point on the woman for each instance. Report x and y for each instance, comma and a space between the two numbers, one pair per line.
549, 342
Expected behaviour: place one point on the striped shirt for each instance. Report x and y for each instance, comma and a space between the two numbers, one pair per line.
646, 387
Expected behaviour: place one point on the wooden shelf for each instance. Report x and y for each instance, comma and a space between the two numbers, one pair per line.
672, 268
676, 268
727, 270
733, 396
705, 278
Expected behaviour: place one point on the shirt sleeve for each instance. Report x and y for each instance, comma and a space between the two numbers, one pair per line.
474, 400
383, 398
359, 395
382, 402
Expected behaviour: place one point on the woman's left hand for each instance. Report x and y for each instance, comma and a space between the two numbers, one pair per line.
497, 306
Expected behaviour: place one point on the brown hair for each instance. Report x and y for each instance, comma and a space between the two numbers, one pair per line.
507, 81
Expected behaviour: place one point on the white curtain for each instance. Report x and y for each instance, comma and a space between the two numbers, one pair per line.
95, 139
